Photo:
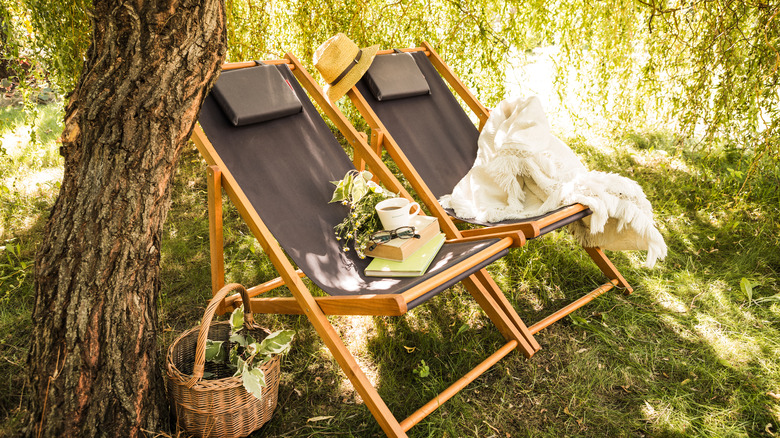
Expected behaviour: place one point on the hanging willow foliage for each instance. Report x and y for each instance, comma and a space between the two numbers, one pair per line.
712, 68
62, 34
708, 69
469, 34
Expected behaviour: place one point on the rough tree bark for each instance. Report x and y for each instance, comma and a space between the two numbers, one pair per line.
94, 368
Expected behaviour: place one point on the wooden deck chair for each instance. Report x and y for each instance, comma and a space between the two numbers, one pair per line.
276, 165
415, 117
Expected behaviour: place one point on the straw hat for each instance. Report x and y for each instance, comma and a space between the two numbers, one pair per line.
341, 64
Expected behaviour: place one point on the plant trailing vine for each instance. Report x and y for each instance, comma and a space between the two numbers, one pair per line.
357, 191
246, 354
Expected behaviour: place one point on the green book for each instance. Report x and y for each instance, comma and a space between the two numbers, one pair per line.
412, 266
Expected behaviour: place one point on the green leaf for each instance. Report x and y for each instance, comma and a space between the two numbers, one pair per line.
234, 355
775, 297
254, 381
239, 339
338, 195
359, 189
276, 343
252, 348
214, 351
461, 329
578, 320
237, 319
422, 369
342, 188
747, 288
240, 366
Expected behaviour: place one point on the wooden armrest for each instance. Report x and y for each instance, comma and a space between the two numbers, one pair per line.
517, 236
528, 229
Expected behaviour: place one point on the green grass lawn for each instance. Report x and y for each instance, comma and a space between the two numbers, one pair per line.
692, 352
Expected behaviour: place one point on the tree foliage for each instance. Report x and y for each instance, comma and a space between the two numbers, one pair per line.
708, 68
61, 37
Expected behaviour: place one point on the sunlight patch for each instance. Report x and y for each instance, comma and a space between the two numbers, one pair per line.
664, 417
671, 302
355, 332
718, 290
14, 141
678, 224
737, 351
38, 181
656, 158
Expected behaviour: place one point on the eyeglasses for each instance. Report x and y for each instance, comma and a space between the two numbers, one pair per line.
385, 236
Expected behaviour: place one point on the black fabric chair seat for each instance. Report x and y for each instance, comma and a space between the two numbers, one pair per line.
284, 166
438, 138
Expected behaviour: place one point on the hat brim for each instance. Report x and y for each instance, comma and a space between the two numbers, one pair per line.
335, 92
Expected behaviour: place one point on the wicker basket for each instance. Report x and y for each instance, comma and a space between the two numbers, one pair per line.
221, 407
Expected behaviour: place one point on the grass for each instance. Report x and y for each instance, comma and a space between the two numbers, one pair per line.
692, 352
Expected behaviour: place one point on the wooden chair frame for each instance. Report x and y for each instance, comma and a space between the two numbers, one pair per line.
382, 139
480, 285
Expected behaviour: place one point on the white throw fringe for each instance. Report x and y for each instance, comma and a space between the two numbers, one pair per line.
522, 170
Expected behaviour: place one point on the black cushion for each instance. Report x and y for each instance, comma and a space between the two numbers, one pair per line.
396, 76
256, 94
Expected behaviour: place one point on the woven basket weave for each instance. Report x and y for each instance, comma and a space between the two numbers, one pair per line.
220, 407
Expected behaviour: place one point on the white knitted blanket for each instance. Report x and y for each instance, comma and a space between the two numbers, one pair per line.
522, 170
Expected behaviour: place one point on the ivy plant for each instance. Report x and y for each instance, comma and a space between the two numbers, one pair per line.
247, 355
357, 191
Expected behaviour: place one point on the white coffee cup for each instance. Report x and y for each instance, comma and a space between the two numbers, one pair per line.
396, 212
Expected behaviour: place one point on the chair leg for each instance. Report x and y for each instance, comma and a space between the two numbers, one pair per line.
357, 161
506, 306
500, 312
606, 266
387, 421
214, 182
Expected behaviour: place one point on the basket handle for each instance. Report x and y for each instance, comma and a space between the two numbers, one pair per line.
203, 334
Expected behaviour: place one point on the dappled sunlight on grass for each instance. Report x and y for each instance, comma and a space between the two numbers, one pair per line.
663, 418
355, 332
735, 351
673, 324
657, 158
687, 354
671, 302
30, 166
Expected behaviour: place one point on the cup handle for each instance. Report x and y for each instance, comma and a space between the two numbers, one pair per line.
416, 208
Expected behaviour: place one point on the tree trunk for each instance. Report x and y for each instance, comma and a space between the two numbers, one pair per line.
5, 55
94, 368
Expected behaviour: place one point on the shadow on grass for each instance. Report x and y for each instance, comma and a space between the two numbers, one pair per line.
16, 302
686, 355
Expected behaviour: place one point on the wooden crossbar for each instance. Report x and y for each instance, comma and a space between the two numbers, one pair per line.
453, 389
368, 305
245, 64
585, 299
